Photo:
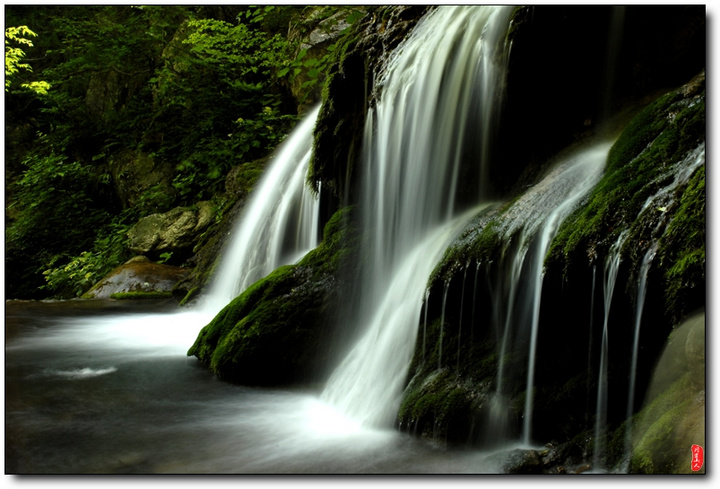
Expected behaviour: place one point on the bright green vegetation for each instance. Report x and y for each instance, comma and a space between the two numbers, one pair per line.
117, 112
15, 38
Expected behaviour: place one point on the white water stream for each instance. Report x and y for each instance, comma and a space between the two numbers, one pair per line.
441, 78
534, 221
278, 226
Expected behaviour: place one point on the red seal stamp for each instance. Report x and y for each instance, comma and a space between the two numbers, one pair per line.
697, 458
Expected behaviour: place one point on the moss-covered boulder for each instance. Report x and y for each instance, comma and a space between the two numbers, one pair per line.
280, 329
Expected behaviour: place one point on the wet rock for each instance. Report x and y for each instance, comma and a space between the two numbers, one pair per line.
348, 92
280, 329
138, 275
521, 461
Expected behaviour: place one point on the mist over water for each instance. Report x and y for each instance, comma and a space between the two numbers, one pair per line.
112, 394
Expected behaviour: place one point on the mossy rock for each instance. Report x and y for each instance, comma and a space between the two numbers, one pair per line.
440, 407
269, 334
662, 134
666, 135
347, 93
279, 330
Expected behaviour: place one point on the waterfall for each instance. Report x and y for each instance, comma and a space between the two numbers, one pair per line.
442, 322
590, 341
426, 303
279, 223
612, 265
514, 281
462, 303
578, 178
368, 383
436, 100
640, 303
532, 222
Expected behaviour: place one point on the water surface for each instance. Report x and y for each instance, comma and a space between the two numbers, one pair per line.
105, 387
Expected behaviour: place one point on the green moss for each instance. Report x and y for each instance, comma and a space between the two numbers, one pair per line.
640, 132
488, 243
682, 250
480, 242
211, 335
341, 115
191, 294
140, 295
658, 136
436, 405
277, 330
340, 240
347, 94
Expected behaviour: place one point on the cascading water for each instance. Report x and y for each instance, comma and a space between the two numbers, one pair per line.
426, 304
534, 219
279, 224
612, 265
576, 179
640, 303
590, 341
462, 301
427, 148
415, 144
368, 383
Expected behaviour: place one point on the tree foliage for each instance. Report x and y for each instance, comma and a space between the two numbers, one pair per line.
188, 91
14, 55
